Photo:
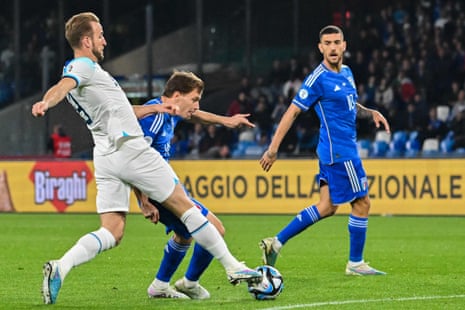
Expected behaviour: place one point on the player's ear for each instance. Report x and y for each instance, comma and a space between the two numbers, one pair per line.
86, 41
320, 47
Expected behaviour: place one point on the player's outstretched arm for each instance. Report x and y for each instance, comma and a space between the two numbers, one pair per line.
271, 154
142, 111
378, 118
53, 96
235, 121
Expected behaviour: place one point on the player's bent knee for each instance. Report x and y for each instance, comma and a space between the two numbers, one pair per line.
181, 240
326, 209
361, 206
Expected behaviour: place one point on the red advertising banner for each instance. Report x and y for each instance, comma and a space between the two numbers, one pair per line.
49, 186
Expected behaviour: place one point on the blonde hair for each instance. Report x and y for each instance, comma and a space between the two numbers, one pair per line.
78, 26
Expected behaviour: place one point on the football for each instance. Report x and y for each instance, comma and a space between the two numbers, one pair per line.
271, 285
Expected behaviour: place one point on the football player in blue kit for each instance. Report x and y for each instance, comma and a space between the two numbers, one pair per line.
158, 128
330, 90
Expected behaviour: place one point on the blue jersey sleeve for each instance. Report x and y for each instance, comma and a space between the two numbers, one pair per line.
159, 129
310, 91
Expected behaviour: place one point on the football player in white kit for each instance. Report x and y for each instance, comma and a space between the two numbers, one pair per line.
122, 158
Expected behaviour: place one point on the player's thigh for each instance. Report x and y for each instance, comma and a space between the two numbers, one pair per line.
144, 168
112, 192
178, 202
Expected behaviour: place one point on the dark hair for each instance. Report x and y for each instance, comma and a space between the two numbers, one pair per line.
330, 29
183, 82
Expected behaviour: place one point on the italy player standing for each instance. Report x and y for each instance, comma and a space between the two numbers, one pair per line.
121, 159
158, 128
330, 90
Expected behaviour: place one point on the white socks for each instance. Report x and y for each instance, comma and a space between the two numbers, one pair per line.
355, 264
277, 245
159, 284
86, 249
208, 237
201, 230
189, 283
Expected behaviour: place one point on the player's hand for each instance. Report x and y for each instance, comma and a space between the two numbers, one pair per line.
268, 159
153, 216
239, 120
149, 211
170, 108
39, 108
379, 119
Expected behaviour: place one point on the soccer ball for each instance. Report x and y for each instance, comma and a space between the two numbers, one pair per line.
270, 286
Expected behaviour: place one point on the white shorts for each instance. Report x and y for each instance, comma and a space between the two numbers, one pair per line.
136, 164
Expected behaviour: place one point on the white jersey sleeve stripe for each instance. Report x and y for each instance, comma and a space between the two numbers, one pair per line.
157, 123
312, 78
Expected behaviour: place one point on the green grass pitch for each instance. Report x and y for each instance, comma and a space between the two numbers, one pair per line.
423, 256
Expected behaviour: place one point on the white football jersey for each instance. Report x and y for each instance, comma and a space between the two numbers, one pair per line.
103, 105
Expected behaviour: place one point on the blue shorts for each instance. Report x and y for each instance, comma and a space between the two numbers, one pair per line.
172, 223
347, 180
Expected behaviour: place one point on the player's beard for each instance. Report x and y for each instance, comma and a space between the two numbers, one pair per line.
99, 55
336, 63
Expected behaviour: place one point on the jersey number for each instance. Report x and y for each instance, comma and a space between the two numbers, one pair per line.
351, 102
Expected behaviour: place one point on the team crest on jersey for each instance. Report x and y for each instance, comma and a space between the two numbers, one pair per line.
303, 93
364, 182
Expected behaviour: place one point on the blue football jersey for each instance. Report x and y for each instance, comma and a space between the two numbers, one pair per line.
334, 99
158, 129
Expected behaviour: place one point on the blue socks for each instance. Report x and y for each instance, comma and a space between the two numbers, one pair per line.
309, 216
303, 220
173, 256
357, 234
200, 260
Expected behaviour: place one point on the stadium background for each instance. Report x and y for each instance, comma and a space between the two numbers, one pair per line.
237, 38
222, 42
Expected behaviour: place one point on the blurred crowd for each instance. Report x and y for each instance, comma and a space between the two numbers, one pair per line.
38, 36
408, 61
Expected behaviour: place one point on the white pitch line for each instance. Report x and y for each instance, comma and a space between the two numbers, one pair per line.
361, 301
